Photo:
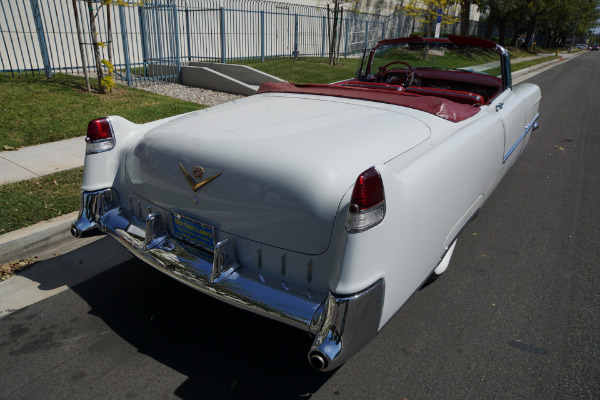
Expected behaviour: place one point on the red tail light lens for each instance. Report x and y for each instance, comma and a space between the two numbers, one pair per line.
100, 136
367, 206
368, 190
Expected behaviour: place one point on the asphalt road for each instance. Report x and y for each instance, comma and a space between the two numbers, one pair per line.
516, 316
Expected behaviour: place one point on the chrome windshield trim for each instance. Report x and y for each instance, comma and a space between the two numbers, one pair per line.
531, 126
505, 67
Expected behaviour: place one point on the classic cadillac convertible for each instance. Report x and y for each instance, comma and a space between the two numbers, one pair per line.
321, 206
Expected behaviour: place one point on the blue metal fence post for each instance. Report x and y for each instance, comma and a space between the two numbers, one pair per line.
223, 49
39, 27
262, 36
324, 36
187, 32
143, 36
176, 33
295, 36
125, 46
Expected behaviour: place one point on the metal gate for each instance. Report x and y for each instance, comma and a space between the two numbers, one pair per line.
159, 33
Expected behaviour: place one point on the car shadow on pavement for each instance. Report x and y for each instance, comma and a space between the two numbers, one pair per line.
225, 352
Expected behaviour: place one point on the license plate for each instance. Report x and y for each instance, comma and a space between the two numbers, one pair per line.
193, 232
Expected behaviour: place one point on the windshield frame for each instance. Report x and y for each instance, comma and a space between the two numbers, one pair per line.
458, 40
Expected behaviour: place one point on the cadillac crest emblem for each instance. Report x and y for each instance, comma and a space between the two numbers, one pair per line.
197, 172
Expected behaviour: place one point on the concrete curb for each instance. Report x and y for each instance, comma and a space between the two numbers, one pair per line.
523, 74
33, 240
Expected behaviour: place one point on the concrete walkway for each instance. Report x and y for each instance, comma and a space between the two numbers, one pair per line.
43, 159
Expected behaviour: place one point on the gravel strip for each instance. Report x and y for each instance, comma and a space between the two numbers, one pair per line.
193, 94
182, 92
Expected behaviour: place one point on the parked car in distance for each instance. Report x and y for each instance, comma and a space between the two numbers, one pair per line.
595, 47
582, 46
324, 207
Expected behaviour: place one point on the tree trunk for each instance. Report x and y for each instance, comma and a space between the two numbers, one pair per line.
465, 13
94, 33
501, 31
489, 28
517, 29
81, 48
530, 31
334, 35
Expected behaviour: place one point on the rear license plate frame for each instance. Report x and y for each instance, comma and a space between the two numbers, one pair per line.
194, 233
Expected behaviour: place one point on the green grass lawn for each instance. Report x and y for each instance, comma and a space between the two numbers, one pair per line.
36, 110
308, 70
318, 70
27, 202
521, 65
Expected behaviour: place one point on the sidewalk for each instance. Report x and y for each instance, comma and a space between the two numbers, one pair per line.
43, 159
35, 161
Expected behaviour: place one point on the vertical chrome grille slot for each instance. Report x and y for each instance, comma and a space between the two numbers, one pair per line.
259, 256
131, 205
309, 266
283, 264
155, 231
139, 203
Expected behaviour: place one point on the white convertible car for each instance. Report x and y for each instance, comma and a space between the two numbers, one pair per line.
321, 206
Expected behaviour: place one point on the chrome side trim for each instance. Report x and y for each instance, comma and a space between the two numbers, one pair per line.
344, 325
533, 125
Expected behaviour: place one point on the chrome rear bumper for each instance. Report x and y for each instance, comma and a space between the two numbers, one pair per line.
341, 325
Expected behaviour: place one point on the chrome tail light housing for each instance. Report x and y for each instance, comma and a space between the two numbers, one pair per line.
367, 205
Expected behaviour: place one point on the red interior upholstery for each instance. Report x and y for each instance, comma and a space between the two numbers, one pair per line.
436, 105
454, 95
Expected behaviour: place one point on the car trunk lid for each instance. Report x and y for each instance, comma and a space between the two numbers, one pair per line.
269, 168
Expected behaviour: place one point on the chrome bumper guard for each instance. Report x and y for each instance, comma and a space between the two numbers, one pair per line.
341, 325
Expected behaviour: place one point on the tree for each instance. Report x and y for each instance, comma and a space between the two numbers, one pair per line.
465, 14
426, 11
105, 81
335, 16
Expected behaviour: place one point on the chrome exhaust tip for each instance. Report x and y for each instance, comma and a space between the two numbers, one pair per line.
75, 232
318, 361
343, 325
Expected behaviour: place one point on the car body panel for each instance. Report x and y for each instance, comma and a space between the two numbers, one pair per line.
275, 182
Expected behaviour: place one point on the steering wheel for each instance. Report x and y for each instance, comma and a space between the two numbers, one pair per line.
409, 77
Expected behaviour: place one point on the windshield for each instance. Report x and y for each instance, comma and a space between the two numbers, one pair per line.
387, 58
